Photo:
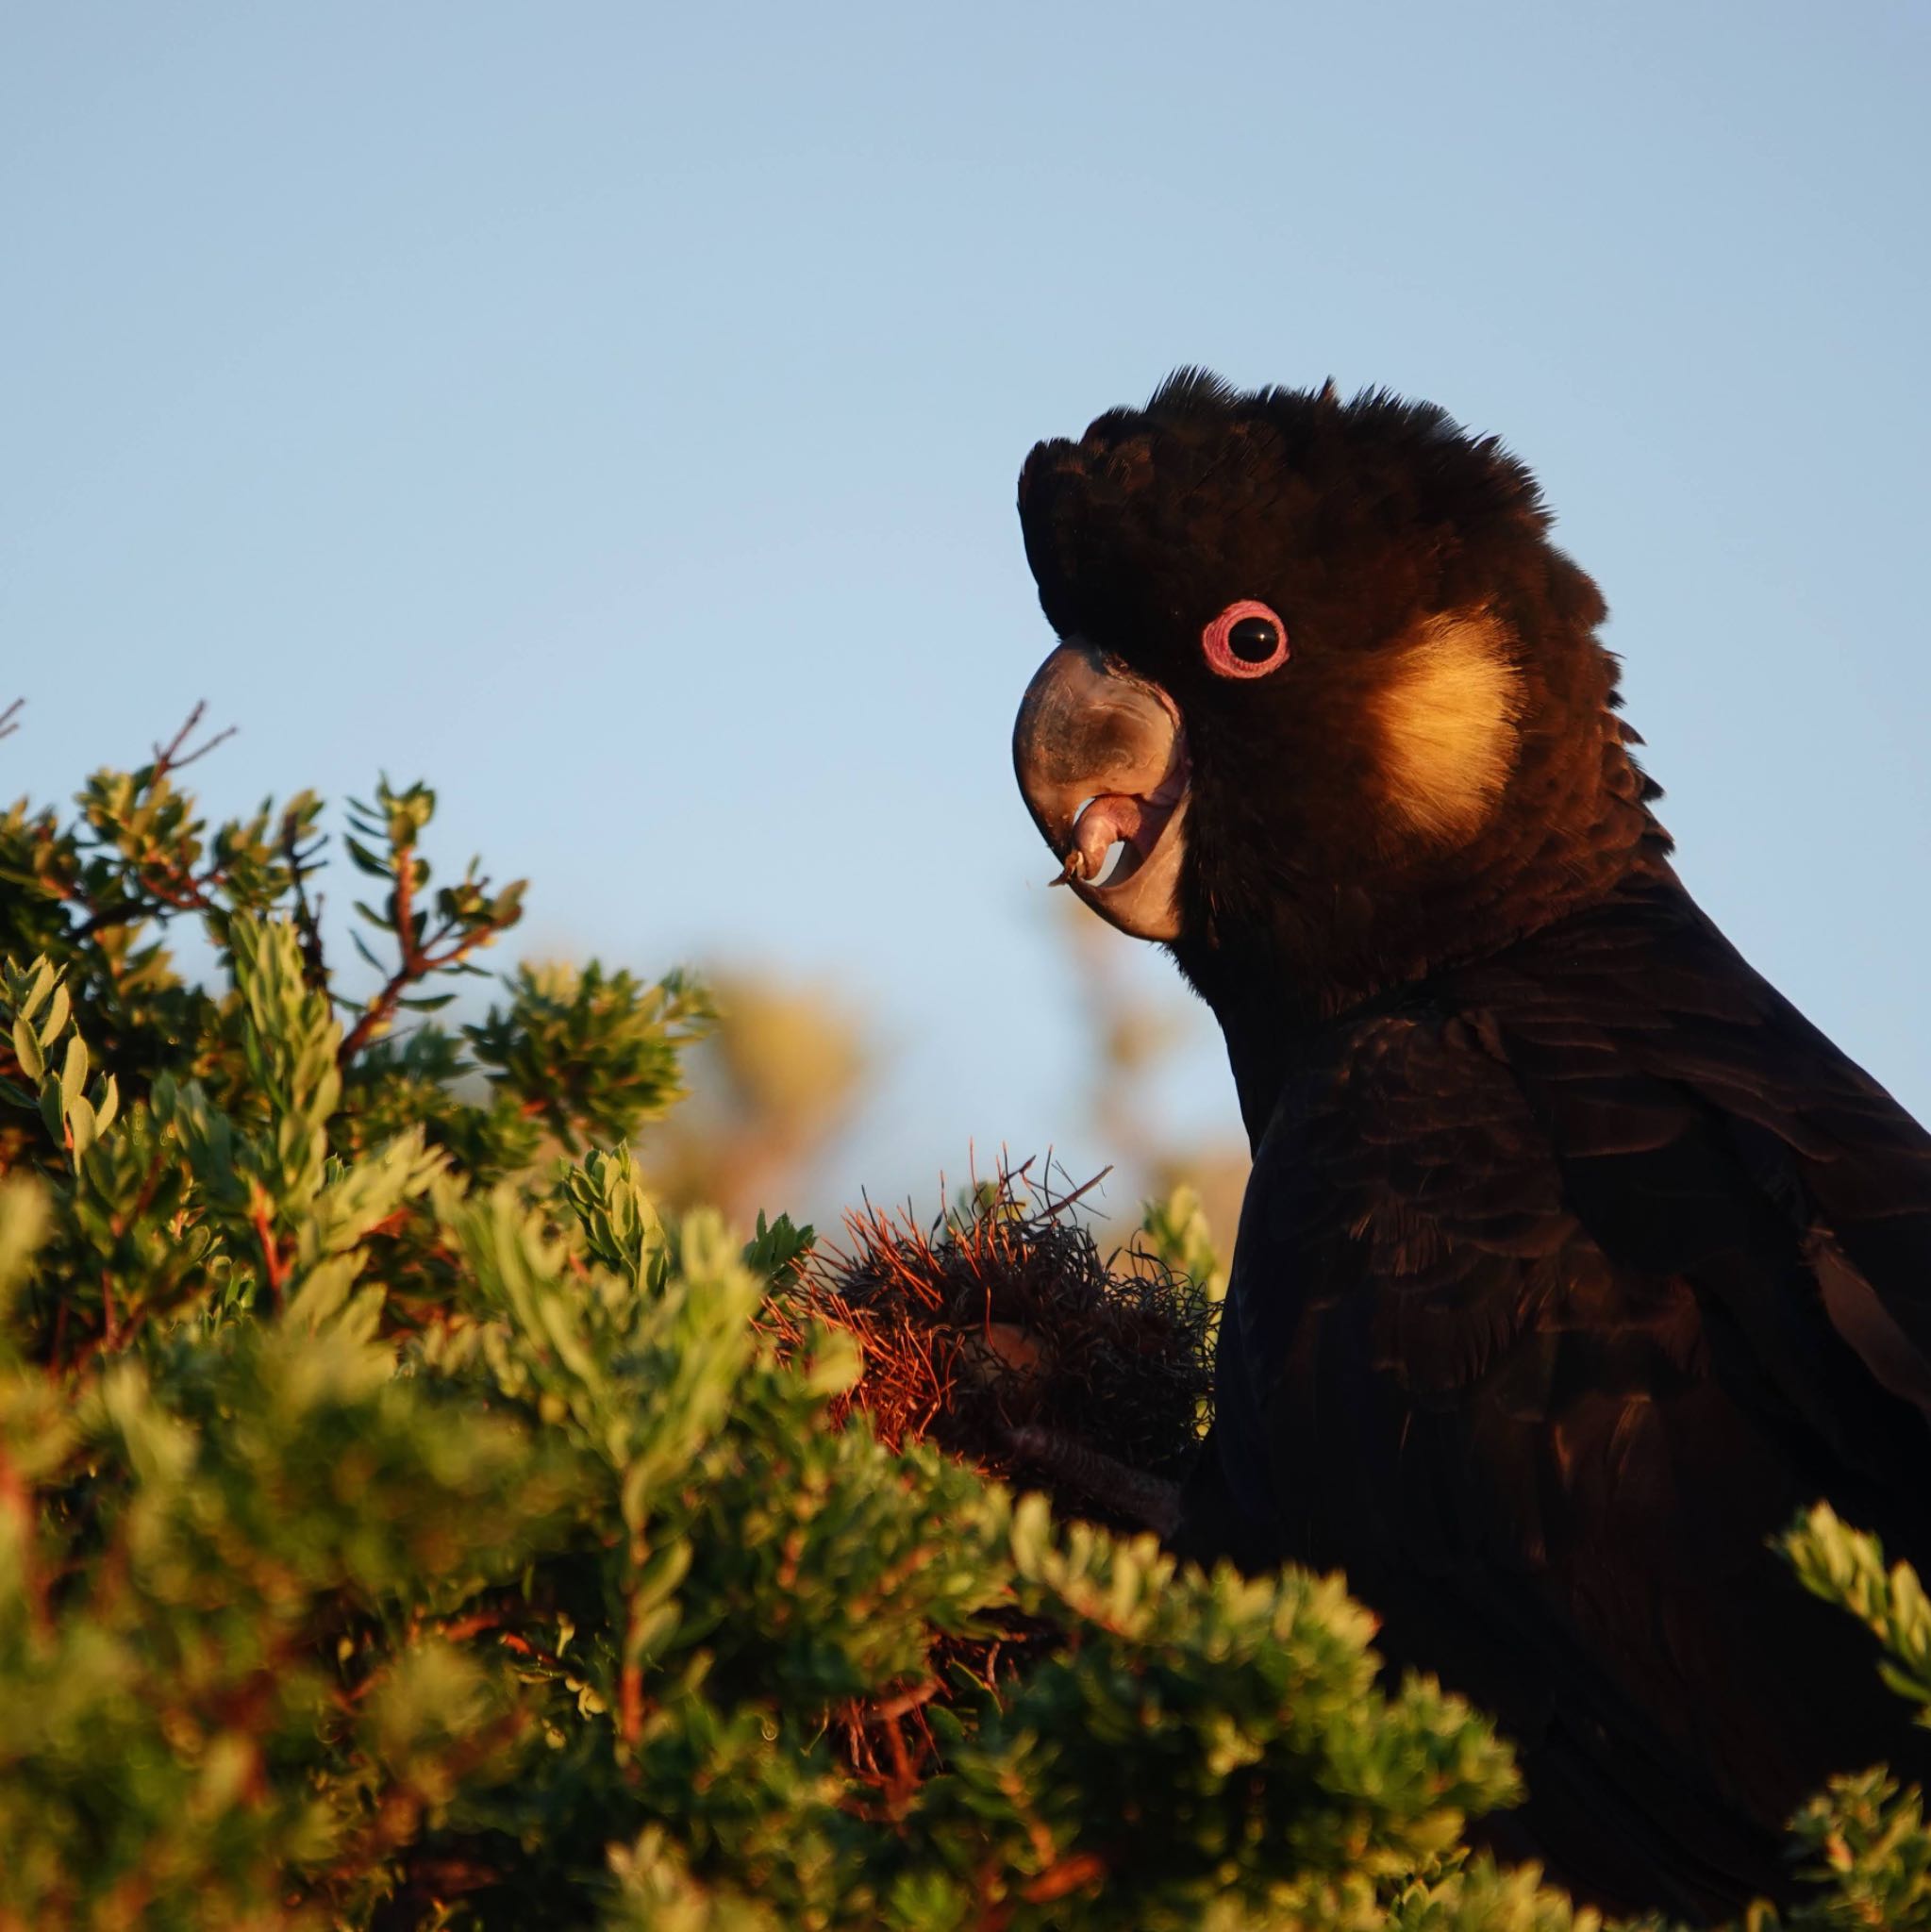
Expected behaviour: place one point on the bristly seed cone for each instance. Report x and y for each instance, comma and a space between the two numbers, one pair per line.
1001, 1334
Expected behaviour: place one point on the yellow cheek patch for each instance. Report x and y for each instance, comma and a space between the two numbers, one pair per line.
1447, 719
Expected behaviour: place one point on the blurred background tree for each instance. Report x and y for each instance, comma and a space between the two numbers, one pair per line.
781, 1075
790, 1066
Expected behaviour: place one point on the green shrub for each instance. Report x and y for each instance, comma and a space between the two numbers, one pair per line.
402, 1523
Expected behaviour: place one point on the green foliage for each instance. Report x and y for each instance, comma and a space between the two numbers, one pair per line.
404, 1520
1174, 1232
591, 1054
1865, 1838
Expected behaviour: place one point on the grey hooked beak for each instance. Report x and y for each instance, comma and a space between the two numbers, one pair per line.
1102, 762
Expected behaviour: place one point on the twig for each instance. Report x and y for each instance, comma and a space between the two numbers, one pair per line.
10, 718
382, 1008
184, 892
273, 1265
1066, 1201
417, 962
630, 1703
168, 758
196, 899
1070, 1874
522, 1646
904, 1702
122, 1219
904, 1780
457, 1628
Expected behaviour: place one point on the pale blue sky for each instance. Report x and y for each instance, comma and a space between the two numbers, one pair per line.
611, 413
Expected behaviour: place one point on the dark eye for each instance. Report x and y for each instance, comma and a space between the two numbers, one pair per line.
1254, 639
1246, 639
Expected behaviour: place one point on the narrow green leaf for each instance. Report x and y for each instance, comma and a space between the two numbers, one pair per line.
56, 1022
74, 1072
365, 860
26, 1050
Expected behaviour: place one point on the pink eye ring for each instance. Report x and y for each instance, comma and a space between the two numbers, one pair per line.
1246, 639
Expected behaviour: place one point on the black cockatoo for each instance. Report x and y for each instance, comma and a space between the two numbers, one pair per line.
1573, 1261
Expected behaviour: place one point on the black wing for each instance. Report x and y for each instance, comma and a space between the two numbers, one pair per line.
1558, 1289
